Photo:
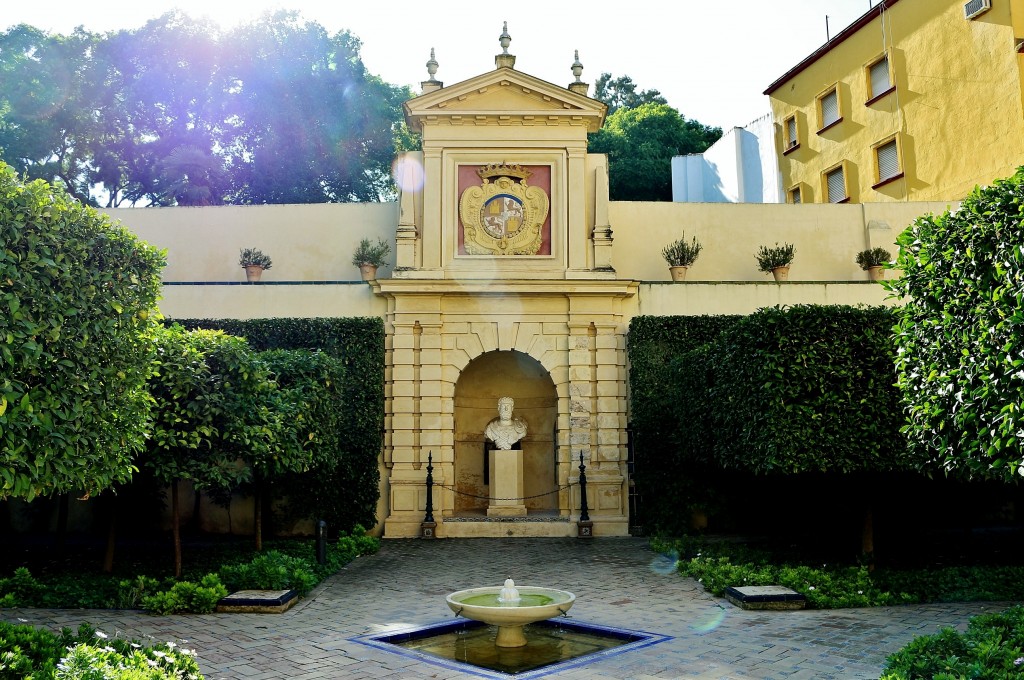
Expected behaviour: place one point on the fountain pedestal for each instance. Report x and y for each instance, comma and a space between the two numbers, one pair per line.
490, 605
506, 483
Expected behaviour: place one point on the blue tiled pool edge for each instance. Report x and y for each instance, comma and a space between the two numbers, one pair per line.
383, 641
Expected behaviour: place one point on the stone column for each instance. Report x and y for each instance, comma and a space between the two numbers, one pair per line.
432, 220
415, 422
577, 242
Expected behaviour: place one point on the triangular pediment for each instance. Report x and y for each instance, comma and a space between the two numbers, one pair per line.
504, 93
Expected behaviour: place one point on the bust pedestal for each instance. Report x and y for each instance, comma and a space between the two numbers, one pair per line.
506, 482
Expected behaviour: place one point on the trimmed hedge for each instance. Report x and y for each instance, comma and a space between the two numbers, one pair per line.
345, 489
808, 388
805, 389
670, 444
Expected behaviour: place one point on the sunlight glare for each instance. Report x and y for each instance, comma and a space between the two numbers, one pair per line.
408, 173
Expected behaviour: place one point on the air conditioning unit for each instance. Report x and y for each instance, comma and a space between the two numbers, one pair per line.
976, 8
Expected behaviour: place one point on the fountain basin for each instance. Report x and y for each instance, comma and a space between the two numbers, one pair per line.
534, 604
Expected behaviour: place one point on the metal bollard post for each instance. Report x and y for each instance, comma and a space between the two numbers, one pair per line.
428, 526
584, 527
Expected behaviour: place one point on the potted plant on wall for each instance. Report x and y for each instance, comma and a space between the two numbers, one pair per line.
873, 261
254, 261
680, 255
776, 260
369, 256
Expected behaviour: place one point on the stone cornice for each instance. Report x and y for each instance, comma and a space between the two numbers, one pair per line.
504, 288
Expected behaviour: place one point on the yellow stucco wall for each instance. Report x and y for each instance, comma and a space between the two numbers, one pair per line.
827, 237
956, 108
305, 242
314, 243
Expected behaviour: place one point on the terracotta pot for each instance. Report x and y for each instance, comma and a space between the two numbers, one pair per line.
368, 271
253, 272
678, 273
876, 273
781, 273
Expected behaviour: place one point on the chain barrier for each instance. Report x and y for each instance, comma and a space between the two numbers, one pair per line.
488, 498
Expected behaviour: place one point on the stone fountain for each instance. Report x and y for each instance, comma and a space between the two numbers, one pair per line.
510, 608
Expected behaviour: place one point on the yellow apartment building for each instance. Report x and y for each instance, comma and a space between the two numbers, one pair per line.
917, 100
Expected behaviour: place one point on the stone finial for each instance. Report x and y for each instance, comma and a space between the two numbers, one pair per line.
505, 39
505, 60
432, 65
578, 86
432, 83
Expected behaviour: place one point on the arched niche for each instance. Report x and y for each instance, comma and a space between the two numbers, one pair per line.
481, 383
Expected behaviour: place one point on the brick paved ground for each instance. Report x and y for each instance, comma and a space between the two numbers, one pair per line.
617, 582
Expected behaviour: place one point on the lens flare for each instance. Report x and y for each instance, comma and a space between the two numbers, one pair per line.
708, 621
665, 564
408, 173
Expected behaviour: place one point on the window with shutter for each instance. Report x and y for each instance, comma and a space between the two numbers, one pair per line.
878, 74
836, 183
791, 140
888, 160
794, 195
829, 108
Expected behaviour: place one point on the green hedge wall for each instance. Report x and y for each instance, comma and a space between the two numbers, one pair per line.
809, 388
670, 443
717, 399
346, 493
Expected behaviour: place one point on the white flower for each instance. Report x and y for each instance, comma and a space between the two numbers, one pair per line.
101, 635
860, 592
811, 588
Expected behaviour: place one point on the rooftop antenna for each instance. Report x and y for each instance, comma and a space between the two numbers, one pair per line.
827, 35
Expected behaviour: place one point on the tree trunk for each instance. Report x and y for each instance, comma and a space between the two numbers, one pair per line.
175, 528
62, 521
108, 556
257, 493
867, 539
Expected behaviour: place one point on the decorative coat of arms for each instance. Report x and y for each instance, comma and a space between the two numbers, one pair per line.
503, 217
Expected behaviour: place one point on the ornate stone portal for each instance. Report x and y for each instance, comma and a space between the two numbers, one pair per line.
503, 257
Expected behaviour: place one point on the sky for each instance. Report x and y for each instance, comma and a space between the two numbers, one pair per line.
711, 59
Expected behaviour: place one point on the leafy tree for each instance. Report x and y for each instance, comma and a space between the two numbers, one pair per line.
191, 177
183, 443
309, 124
640, 143
48, 98
78, 296
176, 112
317, 381
621, 93
162, 110
961, 333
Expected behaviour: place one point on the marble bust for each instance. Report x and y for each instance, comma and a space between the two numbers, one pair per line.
505, 430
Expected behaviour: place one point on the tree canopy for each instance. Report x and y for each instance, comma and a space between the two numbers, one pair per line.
78, 297
961, 333
640, 143
621, 93
178, 112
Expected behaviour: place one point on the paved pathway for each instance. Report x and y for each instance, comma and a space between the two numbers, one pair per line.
618, 582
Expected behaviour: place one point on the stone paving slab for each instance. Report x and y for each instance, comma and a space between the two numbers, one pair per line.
617, 581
